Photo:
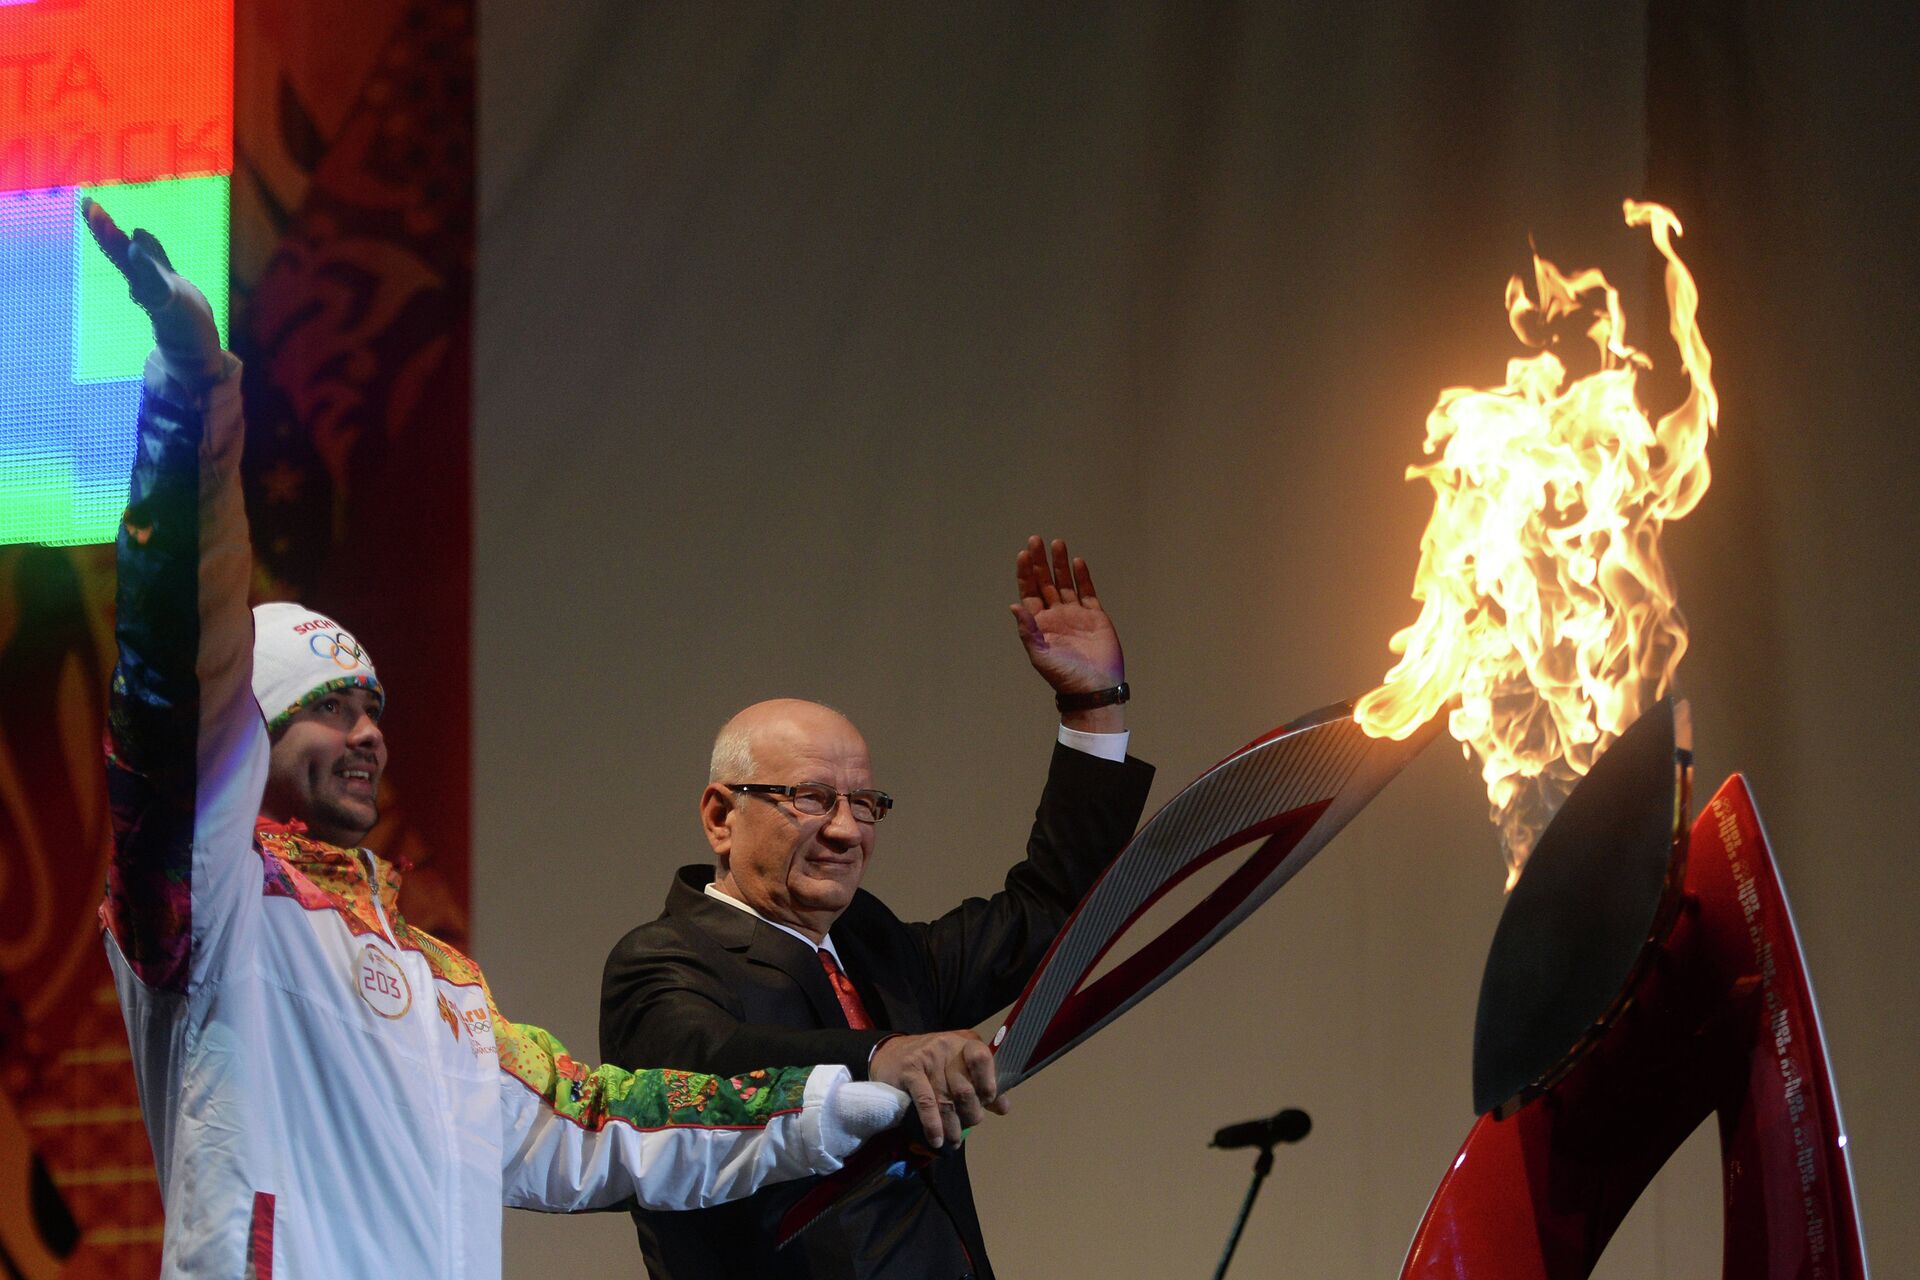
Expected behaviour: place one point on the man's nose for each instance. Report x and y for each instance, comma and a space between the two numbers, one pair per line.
366, 734
841, 824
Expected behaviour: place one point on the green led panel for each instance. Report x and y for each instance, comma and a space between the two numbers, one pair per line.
111, 335
38, 501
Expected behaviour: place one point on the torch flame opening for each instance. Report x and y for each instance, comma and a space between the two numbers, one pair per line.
1546, 608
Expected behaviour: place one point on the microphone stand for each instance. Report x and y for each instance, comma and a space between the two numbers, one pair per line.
1261, 1168
1288, 1125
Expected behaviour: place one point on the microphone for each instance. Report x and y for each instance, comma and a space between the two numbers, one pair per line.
1289, 1125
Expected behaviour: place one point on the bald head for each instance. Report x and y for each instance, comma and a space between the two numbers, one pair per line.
778, 720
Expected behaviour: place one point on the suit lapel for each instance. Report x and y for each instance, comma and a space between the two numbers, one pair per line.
756, 941
780, 950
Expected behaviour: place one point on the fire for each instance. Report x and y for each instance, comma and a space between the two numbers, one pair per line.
1546, 608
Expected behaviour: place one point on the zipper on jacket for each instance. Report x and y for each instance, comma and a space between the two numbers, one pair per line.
452, 1196
373, 880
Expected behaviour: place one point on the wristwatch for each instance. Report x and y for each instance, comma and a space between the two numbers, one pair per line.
1088, 701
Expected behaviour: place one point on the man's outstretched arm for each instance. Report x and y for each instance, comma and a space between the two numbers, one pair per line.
981, 953
592, 1138
186, 751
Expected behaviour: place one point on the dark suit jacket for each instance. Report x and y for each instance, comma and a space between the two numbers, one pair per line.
708, 987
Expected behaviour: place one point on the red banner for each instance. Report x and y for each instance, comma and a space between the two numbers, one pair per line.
354, 191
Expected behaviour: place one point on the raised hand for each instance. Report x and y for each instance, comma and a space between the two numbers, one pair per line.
1068, 636
183, 325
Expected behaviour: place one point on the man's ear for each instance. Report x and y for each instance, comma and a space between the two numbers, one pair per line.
716, 807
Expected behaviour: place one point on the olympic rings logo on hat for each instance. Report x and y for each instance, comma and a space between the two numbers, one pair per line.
338, 647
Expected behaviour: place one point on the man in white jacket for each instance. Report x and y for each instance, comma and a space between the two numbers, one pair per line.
329, 1091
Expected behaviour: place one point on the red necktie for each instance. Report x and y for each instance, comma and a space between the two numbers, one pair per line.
843, 990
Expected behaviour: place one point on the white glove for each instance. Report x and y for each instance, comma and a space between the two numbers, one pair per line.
183, 326
855, 1110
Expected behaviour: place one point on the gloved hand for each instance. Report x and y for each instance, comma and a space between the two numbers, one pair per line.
183, 326
855, 1110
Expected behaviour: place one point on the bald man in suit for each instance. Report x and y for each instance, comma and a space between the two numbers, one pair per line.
774, 949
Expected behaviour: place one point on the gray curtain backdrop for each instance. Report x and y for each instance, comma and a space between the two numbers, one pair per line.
795, 319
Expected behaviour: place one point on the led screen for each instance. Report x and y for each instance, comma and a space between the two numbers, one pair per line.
129, 101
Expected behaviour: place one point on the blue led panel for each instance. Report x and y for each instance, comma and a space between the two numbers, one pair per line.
65, 447
72, 344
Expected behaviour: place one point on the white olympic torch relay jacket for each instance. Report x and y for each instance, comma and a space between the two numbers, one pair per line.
329, 1092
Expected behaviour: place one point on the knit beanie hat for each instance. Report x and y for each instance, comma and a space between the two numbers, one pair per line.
300, 656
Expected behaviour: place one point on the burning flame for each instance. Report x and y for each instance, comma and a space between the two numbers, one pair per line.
1545, 605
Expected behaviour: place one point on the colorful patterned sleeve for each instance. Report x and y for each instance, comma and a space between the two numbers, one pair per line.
650, 1099
594, 1138
185, 750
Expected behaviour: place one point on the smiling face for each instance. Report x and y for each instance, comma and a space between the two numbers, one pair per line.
801, 871
325, 768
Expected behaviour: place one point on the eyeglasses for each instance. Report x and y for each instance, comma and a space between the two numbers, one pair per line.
815, 799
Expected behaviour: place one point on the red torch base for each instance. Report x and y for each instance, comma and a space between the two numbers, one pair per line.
1721, 1021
